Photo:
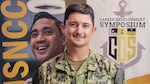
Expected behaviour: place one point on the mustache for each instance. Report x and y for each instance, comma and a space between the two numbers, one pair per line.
78, 35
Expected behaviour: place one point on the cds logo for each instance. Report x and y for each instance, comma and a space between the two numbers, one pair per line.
122, 43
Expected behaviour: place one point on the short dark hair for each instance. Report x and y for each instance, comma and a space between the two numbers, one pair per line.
49, 16
81, 8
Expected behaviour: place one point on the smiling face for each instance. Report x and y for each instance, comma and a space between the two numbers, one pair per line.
78, 29
46, 41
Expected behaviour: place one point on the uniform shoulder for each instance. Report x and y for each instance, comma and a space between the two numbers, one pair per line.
52, 61
112, 67
104, 59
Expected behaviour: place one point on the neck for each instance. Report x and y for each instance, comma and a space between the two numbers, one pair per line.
78, 54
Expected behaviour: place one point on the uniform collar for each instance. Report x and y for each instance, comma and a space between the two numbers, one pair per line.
90, 64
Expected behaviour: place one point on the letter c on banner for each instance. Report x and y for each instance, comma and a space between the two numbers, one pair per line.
8, 14
14, 35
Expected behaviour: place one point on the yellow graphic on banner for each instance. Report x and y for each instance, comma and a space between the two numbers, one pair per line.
126, 44
15, 82
122, 32
7, 3
14, 35
140, 80
14, 65
15, 69
17, 46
